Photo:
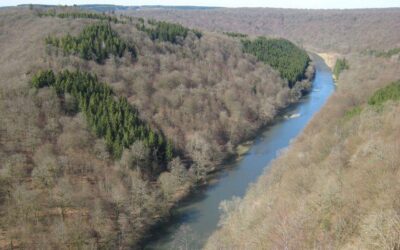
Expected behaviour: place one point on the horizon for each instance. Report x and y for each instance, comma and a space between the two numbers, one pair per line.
289, 4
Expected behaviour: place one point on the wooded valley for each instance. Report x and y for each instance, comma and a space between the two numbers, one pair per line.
108, 121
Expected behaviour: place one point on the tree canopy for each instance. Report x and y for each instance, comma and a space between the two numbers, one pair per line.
90, 15
167, 32
108, 116
390, 92
235, 34
281, 54
340, 65
95, 42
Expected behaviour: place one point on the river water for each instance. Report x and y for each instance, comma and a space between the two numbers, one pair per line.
197, 217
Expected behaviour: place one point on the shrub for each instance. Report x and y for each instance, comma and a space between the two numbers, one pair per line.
43, 79
235, 34
340, 65
352, 112
390, 92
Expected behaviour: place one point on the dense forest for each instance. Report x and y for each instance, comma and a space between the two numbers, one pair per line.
66, 182
340, 65
110, 118
281, 54
75, 14
97, 147
164, 31
316, 30
95, 42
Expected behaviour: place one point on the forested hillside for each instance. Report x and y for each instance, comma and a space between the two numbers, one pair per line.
289, 60
341, 31
336, 186
107, 121
96, 42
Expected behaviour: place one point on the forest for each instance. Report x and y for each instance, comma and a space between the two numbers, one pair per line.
321, 30
336, 186
167, 32
75, 14
118, 147
95, 42
281, 54
109, 118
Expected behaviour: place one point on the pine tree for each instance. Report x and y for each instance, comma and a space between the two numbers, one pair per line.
113, 119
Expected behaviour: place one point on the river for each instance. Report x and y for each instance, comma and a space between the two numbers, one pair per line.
197, 216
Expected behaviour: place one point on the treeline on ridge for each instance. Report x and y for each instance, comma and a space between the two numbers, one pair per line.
235, 34
95, 42
109, 117
281, 54
379, 53
90, 15
164, 31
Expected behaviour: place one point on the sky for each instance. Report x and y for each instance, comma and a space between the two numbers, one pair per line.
302, 4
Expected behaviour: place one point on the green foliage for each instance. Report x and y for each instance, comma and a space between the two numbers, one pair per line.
50, 12
95, 42
108, 116
164, 31
43, 79
197, 33
352, 112
340, 65
390, 92
281, 54
386, 54
74, 15
235, 34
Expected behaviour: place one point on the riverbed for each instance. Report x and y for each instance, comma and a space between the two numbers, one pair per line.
197, 216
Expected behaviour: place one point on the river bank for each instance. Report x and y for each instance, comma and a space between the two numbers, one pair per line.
325, 191
197, 215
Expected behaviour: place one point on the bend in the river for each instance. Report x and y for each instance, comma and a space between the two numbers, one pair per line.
198, 215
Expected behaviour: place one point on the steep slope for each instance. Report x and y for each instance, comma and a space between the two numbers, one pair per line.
72, 175
337, 185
